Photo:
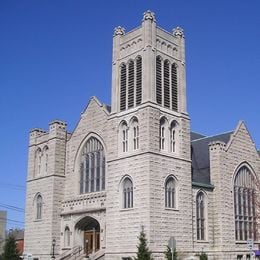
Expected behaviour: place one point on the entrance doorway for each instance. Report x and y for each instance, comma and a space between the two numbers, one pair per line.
89, 230
92, 241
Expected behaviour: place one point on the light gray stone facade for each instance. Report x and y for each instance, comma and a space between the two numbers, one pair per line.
145, 138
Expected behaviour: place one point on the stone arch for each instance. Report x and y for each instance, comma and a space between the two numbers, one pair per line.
87, 233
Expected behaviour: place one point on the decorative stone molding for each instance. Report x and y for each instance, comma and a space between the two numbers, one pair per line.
178, 31
119, 31
148, 15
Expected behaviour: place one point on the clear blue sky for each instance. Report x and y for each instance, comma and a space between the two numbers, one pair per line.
55, 55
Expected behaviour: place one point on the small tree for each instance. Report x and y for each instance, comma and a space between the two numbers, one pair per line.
203, 256
168, 254
143, 252
10, 250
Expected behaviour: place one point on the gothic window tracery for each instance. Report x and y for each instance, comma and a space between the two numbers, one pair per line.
163, 134
170, 193
127, 193
244, 205
135, 133
92, 167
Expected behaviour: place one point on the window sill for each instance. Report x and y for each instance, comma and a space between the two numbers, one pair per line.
127, 209
202, 241
38, 220
245, 242
171, 209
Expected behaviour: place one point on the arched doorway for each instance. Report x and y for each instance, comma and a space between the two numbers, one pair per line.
90, 230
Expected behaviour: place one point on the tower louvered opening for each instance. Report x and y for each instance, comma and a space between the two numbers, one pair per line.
158, 80
123, 87
131, 78
166, 83
174, 88
138, 81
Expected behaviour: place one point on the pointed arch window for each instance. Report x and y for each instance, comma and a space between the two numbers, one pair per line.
124, 137
173, 130
166, 83
38, 161
200, 215
163, 134
45, 156
131, 84
67, 237
135, 133
39, 203
92, 167
127, 193
170, 193
245, 205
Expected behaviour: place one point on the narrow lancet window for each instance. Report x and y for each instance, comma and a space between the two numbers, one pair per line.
174, 88
166, 83
122, 87
170, 196
200, 211
131, 78
158, 80
127, 193
138, 81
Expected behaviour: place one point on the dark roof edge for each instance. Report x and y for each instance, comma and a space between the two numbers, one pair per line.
206, 137
203, 185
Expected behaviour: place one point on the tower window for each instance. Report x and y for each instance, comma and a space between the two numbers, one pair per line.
123, 87
163, 134
158, 80
135, 133
170, 193
174, 88
127, 193
39, 207
173, 140
138, 81
131, 84
124, 131
131, 78
166, 83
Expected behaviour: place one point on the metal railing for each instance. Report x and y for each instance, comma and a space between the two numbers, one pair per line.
75, 251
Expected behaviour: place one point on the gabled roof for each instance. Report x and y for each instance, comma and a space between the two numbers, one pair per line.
200, 156
194, 136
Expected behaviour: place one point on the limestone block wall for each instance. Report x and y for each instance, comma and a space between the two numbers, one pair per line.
40, 232
225, 160
93, 122
165, 222
206, 245
49, 184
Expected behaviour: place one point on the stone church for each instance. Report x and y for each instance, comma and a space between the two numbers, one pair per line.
136, 165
